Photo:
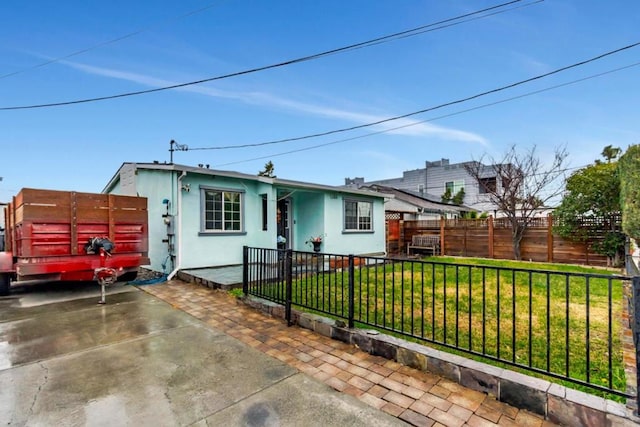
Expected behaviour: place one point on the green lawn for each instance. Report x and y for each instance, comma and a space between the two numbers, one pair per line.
531, 319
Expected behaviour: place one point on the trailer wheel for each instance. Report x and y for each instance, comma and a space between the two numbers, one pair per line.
4, 284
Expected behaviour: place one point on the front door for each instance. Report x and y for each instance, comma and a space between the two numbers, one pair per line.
284, 222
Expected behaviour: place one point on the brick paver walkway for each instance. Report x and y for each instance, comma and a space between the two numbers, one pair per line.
417, 397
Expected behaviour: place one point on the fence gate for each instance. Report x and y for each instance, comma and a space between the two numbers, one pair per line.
392, 220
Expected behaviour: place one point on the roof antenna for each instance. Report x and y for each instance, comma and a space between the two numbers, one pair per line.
178, 147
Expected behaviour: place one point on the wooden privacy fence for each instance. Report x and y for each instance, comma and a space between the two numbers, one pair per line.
491, 238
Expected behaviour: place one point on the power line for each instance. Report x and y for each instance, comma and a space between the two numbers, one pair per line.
593, 76
384, 39
112, 41
425, 110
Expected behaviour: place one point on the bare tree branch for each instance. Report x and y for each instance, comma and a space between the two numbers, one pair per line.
523, 184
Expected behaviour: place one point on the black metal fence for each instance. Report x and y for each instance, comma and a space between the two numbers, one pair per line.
561, 324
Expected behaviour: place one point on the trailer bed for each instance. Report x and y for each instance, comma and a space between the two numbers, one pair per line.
47, 232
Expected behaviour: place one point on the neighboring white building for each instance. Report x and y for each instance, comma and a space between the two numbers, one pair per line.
436, 177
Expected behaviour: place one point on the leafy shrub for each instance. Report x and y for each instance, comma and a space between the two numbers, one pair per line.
629, 165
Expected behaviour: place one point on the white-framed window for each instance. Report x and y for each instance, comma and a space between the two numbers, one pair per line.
358, 215
222, 210
454, 186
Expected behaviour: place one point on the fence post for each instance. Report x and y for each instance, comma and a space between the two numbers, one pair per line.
465, 222
442, 239
635, 294
490, 223
351, 291
401, 235
288, 265
245, 269
550, 238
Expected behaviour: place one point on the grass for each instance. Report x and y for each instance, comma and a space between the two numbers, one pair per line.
238, 293
533, 318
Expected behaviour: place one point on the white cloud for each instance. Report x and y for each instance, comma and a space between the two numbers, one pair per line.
405, 126
531, 65
400, 126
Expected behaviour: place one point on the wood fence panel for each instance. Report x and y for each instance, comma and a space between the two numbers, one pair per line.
478, 242
492, 238
534, 245
568, 252
454, 242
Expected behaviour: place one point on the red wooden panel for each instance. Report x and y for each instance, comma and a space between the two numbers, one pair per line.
393, 229
49, 226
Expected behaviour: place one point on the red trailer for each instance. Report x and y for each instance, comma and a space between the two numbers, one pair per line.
69, 236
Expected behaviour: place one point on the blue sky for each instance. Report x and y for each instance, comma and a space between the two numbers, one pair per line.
79, 147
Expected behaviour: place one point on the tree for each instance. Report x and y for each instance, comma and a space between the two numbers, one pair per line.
609, 153
446, 196
590, 206
630, 191
268, 170
523, 185
458, 199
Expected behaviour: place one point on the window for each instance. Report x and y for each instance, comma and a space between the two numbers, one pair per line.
454, 186
487, 185
265, 206
222, 210
358, 215
448, 186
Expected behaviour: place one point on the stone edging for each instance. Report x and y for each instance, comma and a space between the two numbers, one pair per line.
556, 403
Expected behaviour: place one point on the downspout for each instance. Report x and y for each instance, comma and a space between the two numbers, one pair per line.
178, 236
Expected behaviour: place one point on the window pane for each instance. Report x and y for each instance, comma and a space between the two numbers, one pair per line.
211, 210
350, 215
487, 185
364, 209
264, 212
364, 216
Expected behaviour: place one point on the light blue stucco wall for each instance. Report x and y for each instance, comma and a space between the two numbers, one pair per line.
356, 243
208, 249
322, 214
308, 214
157, 186
314, 212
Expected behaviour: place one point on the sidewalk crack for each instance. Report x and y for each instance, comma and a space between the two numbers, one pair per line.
43, 383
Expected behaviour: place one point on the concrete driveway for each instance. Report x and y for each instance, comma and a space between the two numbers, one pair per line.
67, 361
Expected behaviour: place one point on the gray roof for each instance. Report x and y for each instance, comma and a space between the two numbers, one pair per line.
427, 202
278, 182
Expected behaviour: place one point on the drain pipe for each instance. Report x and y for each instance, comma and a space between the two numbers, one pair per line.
178, 235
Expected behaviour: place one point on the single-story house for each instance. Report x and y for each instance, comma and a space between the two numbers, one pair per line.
411, 205
200, 217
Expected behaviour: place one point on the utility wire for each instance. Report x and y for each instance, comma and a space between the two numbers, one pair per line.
434, 118
425, 110
112, 41
371, 42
